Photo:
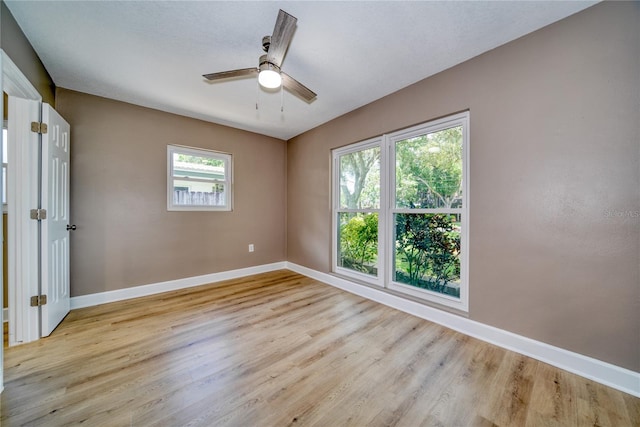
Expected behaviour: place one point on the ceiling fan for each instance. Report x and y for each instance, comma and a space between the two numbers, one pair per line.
269, 73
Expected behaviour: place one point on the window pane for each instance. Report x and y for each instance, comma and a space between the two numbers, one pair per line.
358, 237
360, 179
429, 170
189, 193
4, 185
427, 252
5, 157
201, 167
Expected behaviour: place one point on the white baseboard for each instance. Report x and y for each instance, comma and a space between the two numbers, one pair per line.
171, 285
604, 373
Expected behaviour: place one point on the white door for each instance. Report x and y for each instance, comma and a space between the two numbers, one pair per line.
56, 226
23, 195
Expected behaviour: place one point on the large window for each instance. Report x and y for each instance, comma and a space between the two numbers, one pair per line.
198, 179
401, 211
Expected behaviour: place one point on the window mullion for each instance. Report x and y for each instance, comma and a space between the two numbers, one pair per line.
428, 211
357, 210
383, 217
212, 181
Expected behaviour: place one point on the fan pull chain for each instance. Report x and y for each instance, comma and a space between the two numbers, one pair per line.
257, 94
282, 98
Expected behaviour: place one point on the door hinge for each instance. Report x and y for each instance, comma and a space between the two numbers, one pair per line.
38, 127
38, 300
38, 214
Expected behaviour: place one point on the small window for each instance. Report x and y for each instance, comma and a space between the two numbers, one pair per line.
198, 180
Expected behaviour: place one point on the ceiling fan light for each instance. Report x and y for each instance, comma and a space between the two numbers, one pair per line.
270, 79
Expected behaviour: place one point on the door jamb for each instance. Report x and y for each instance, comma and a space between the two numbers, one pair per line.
15, 83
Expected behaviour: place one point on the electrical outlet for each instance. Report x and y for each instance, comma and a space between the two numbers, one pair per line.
251, 248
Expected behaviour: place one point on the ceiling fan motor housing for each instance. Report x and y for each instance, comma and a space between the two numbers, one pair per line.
266, 42
264, 64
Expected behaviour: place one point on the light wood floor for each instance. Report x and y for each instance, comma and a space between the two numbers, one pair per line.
280, 349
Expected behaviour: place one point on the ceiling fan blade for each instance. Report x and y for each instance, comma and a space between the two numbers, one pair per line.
244, 72
297, 88
281, 37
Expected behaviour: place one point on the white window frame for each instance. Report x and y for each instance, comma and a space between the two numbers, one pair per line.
461, 119
387, 210
337, 153
200, 152
5, 164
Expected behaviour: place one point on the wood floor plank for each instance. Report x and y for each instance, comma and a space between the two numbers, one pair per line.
281, 349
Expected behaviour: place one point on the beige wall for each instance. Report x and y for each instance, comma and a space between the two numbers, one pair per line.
18, 48
126, 236
554, 147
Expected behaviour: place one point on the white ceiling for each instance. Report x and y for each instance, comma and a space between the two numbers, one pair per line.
154, 53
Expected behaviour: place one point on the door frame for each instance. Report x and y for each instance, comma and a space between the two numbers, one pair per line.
15, 83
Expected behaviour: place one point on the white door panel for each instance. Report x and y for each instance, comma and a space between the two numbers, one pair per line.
55, 233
